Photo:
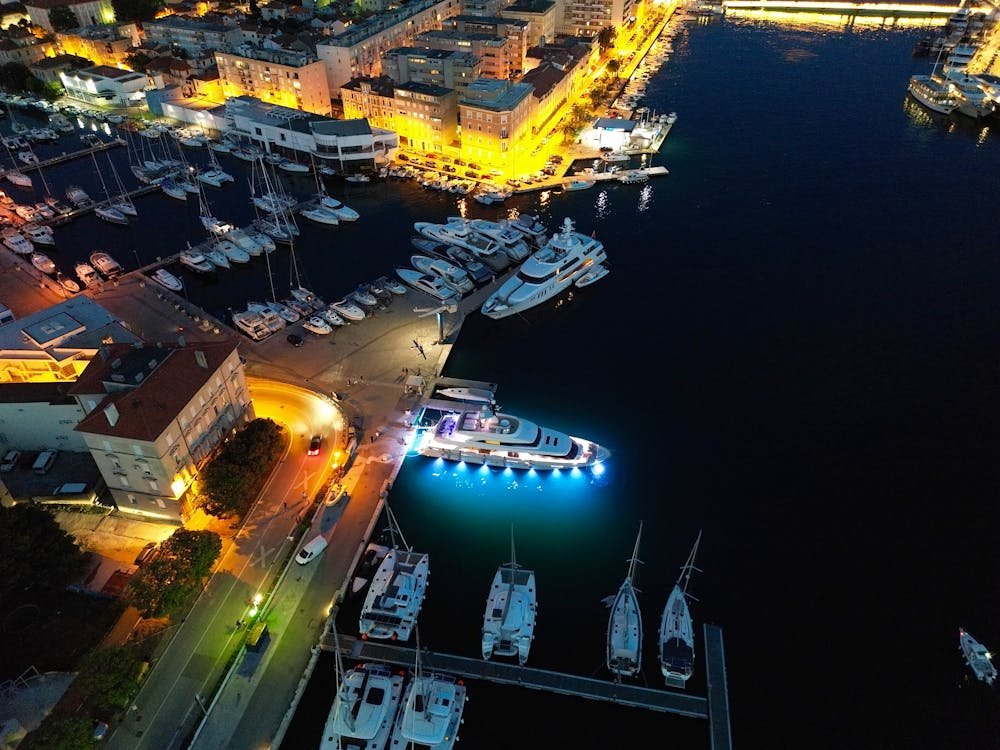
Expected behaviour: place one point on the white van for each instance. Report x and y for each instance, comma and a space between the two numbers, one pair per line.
311, 550
44, 462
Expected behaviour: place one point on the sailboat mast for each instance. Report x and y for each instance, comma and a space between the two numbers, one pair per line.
635, 555
688, 566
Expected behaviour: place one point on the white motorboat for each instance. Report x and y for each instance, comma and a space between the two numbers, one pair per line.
633, 177
461, 234
265, 241
614, 156
370, 562
305, 295
575, 183
67, 283
271, 319
343, 212
594, 274
304, 309
43, 262
509, 620
27, 157
105, 264
287, 314
241, 239
510, 240
164, 278
348, 309
481, 395
676, 629
358, 177
424, 282
395, 595
332, 317
87, 275
971, 94
363, 297
233, 252
112, 215
245, 153
318, 325
484, 435
552, 268
453, 277
293, 166
431, 714
364, 709
480, 273
39, 234
17, 242
625, 624
18, 178
196, 261
530, 226
214, 177
977, 656
77, 196
391, 285
251, 324
220, 147
321, 215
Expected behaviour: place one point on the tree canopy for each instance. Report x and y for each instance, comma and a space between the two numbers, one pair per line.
59, 731
606, 38
162, 586
35, 550
62, 18
109, 678
232, 479
136, 10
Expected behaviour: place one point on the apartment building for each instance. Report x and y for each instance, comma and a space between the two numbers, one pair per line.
105, 44
588, 17
496, 119
155, 414
357, 51
540, 16
24, 54
498, 56
513, 29
48, 68
196, 36
449, 69
277, 76
551, 88
87, 12
423, 115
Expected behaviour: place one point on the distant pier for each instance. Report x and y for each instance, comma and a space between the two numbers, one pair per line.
847, 9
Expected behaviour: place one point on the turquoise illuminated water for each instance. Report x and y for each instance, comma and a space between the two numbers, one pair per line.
796, 352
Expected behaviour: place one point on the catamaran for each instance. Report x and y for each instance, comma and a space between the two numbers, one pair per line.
676, 629
509, 620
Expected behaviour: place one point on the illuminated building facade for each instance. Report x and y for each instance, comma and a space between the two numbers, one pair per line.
588, 17
105, 45
540, 16
87, 12
105, 86
513, 29
357, 52
551, 88
447, 68
290, 79
496, 119
196, 36
498, 56
48, 69
154, 414
23, 54
424, 116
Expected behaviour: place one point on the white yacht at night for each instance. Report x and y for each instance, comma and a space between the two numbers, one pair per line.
362, 715
548, 271
677, 630
481, 434
509, 620
979, 659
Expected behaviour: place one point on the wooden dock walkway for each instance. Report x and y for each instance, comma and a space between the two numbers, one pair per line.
81, 210
66, 156
718, 691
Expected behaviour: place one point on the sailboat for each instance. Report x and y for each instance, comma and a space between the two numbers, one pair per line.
397, 590
325, 200
122, 202
509, 620
433, 703
367, 700
676, 629
625, 624
14, 175
108, 212
214, 226
214, 175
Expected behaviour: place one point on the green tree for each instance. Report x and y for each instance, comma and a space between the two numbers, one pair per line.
197, 551
606, 38
108, 678
613, 67
61, 732
14, 76
35, 550
62, 18
136, 10
232, 479
138, 60
163, 586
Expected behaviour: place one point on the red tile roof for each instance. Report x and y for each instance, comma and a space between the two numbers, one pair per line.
147, 409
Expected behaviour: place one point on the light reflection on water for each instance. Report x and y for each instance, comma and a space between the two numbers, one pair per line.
645, 199
602, 207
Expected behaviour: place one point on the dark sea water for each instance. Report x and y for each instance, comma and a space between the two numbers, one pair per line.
796, 352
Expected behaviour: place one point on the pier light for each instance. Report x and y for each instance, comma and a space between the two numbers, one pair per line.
177, 487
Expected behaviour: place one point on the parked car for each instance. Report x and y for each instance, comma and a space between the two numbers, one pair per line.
311, 550
146, 554
314, 445
10, 461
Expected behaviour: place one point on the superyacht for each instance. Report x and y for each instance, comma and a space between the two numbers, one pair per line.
548, 271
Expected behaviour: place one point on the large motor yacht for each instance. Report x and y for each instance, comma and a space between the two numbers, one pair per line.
677, 630
395, 596
362, 715
481, 434
977, 656
550, 269
509, 620
458, 232
510, 240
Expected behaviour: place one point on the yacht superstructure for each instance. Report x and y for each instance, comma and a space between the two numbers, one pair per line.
395, 596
